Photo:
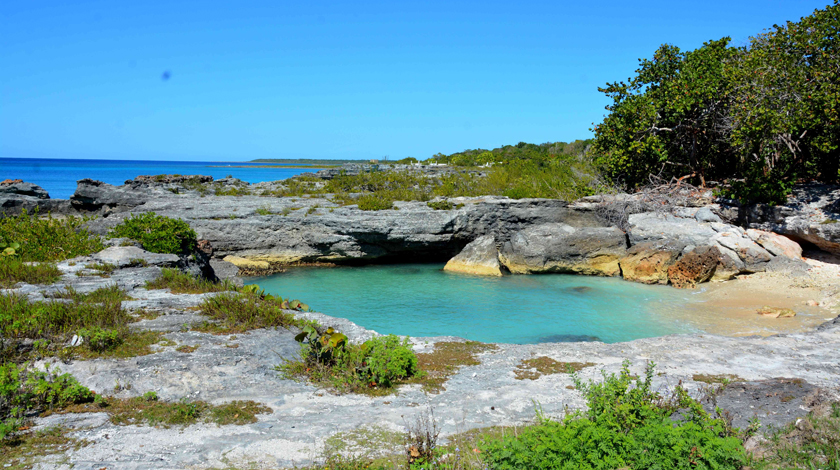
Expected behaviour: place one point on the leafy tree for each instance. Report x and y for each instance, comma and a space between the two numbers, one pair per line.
759, 117
664, 120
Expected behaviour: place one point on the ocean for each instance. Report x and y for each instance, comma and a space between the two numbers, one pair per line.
58, 176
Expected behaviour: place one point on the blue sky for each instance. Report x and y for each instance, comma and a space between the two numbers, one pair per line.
280, 79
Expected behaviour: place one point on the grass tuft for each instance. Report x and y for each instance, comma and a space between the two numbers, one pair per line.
13, 271
179, 282
534, 368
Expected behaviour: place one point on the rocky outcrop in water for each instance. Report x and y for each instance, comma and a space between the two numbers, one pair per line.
562, 248
480, 257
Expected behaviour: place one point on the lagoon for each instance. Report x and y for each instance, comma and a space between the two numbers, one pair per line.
423, 300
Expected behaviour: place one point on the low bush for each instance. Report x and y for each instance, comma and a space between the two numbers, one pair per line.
100, 340
627, 425
157, 233
24, 390
20, 318
236, 312
373, 367
48, 239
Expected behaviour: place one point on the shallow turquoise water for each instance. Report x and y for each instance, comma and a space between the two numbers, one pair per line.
422, 300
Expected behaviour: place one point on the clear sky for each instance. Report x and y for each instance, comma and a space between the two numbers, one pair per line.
223, 80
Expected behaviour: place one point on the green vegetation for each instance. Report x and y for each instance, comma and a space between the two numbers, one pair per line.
96, 317
444, 360
534, 368
157, 233
24, 390
13, 270
179, 282
249, 309
627, 424
374, 367
46, 239
812, 443
756, 118
443, 205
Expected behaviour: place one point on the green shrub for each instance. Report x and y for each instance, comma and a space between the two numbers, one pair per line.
48, 239
386, 360
24, 390
374, 367
627, 425
375, 202
248, 310
100, 340
157, 233
441, 205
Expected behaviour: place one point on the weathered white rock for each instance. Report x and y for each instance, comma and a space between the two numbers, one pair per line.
126, 255
479, 257
776, 244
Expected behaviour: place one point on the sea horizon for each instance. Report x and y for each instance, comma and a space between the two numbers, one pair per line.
59, 176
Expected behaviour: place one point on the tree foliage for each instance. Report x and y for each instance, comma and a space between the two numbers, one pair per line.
757, 117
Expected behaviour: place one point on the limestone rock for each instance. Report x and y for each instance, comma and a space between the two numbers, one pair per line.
754, 257
561, 248
648, 262
776, 244
122, 256
809, 215
479, 257
705, 214
247, 264
695, 267
776, 312
651, 226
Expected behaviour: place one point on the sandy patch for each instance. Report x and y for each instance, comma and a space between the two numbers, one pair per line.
729, 308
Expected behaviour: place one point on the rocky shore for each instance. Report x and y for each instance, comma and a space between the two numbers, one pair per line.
679, 242
777, 378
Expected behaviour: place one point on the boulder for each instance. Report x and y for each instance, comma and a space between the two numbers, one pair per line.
729, 265
479, 257
776, 312
777, 245
22, 188
755, 258
694, 267
648, 262
561, 248
705, 214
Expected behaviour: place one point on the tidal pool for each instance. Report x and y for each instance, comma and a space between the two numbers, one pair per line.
423, 300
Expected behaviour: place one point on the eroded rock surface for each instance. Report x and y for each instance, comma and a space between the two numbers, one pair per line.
561, 248
480, 257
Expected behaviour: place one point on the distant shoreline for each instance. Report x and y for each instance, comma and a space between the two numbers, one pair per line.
293, 166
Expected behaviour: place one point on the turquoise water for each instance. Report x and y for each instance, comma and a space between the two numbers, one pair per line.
423, 300
58, 176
